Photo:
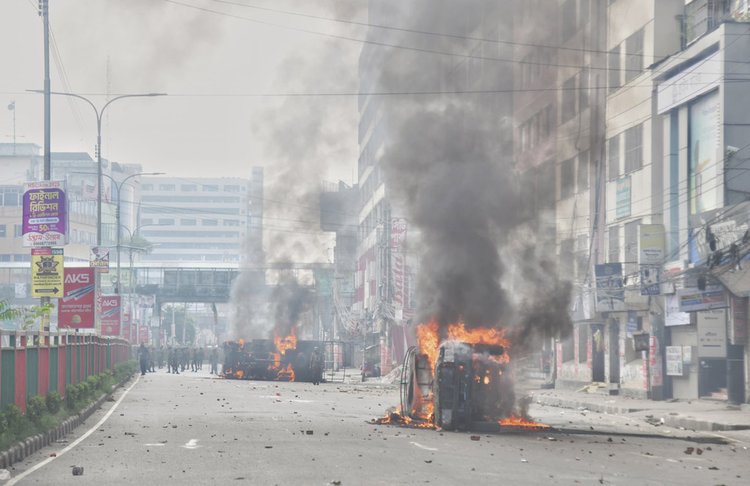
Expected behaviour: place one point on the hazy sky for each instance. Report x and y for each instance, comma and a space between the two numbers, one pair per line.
207, 63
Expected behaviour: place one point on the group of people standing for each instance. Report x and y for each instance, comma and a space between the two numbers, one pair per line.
176, 358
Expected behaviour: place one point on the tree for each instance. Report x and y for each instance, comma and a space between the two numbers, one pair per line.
8, 313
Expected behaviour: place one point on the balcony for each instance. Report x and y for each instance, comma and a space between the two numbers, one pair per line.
703, 16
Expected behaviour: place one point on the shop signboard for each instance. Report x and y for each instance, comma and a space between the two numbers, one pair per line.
610, 293
693, 299
712, 333
622, 197
651, 244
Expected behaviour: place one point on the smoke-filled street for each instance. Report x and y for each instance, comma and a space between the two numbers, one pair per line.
196, 429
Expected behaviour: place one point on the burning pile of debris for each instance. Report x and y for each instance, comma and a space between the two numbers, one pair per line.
455, 378
281, 359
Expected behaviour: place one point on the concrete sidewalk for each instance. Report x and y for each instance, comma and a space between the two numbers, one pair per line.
699, 415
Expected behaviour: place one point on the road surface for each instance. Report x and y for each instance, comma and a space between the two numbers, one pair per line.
194, 428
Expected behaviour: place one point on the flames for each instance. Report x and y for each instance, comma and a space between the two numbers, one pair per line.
404, 420
285, 343
429, 339
521, 422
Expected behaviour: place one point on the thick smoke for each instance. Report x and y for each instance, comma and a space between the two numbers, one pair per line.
306, 140
289, 301
449, 161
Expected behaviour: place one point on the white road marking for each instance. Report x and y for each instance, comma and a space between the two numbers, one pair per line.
191, 444
154, 445
423, 447
70, 446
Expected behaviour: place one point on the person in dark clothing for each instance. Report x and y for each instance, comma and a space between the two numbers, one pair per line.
214, 358
144, 357
316, 366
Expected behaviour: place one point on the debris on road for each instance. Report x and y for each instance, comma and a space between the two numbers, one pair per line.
474, 437
77, 470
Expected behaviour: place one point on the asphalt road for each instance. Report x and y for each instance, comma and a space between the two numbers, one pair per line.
196, 429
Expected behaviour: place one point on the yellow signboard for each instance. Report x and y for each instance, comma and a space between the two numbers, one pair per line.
47, 272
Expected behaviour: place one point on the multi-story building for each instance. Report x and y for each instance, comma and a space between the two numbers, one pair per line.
201, 219
661, 306
558, 145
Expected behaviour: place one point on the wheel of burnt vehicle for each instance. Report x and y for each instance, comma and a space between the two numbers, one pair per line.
407, 381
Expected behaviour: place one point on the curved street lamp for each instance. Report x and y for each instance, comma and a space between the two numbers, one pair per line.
99, 113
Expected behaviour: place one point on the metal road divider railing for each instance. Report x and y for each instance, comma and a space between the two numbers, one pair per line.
37, 363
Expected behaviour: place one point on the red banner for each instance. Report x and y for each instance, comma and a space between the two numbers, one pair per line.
110, 315
76, 307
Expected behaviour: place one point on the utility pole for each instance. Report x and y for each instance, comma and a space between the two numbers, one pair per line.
44, 12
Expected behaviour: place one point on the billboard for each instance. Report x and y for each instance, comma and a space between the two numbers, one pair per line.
610, 293
692, 300
704, 184
47, 272
45, 216
712, 333
110, 315
76, 308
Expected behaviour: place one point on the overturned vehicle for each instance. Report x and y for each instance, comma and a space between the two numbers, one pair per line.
265, 359
462, 385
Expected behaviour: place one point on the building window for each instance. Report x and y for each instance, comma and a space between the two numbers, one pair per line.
166, 221
147, 221
633, 55
10, 196
614, 244
231, 188
583, 171
188, 188
231, 222
188, 222
613, 73
211, 188
166, 187
634, 148
210, 222
567, 178
17, 231
147, 187
3, 231
568, 103
613, 157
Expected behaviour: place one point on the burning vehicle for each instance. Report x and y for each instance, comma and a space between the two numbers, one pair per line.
281, 359
459, 381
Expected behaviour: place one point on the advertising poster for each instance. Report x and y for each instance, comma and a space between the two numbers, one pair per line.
610, 294
672, 315
99, 259
76, 308
674, 360
704, 155
47, 272
45, 217
110, 316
